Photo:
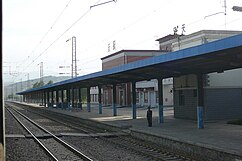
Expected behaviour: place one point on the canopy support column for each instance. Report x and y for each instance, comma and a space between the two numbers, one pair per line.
114, 100
200, 102
100, 109
88, 100
160, 95
134, 99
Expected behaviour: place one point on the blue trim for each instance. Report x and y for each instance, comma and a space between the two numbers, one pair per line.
100, 108
200, 122
114, 109
161, 114
134, 113
230, 42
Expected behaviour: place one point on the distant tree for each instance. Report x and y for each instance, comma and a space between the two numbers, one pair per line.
10, 96
41, 83
38, 84
50, 82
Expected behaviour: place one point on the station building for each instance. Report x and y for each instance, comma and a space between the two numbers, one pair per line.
222, 89
146, 91
179, 92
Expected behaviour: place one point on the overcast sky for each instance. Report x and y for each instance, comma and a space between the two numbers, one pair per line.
36, 31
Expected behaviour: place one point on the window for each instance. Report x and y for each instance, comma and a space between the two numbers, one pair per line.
146, 97
137, 97
181, 98
157, 96
95, 98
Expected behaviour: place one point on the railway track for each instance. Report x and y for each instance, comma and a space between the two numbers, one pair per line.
56, 148
146, 149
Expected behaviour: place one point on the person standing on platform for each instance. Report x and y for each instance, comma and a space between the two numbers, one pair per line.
149, 116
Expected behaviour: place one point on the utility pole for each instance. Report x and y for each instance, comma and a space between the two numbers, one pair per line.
16, 89
28, 83
21, 88
21, 84
73, 61
12, 92
41, 72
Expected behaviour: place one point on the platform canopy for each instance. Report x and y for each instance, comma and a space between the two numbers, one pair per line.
216, 56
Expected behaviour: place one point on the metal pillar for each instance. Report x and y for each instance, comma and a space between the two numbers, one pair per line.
31, 98
200, 102
44, 98
28, 98
134, 99
160, 95
57, 99
100, 109
72, 97
48, 99
73, 64
62, 98
23, 98
88, 100
114, 101
52, 99
36, 98
68, 93
80, 98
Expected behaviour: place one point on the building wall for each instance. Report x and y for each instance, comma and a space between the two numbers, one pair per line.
222, 91
115, 62
150, 88
201, 37
136, 58
185, 103
219, 103
124, 91
167, 95
223, 103
230, 78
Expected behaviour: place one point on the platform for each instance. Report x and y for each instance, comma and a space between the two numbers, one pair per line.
219, 140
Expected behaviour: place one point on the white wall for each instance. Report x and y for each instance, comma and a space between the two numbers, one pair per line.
230, 78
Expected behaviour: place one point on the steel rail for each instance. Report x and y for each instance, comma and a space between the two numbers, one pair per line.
35, 138
140, 147
164, 155
71, 148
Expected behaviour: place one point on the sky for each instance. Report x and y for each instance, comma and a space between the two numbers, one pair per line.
36, 31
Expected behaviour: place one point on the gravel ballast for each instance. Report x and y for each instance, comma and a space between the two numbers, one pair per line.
100, 150
12, 126
18, 149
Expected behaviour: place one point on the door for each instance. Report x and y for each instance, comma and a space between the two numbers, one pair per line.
121, 97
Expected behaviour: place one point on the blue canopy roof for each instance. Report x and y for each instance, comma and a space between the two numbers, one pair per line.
215, 56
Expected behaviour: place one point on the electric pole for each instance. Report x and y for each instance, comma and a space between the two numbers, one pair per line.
73, 61
28, 83
41, 72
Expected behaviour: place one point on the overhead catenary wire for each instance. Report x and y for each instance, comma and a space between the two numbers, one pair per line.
132, 25
51, 27
128, 26
150, 38
41, 53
